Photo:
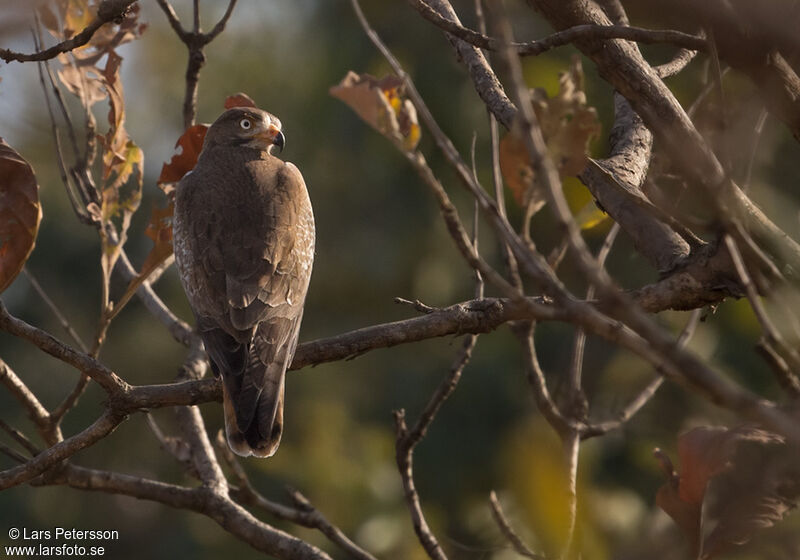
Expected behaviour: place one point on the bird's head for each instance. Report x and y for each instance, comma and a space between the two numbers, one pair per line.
248, 127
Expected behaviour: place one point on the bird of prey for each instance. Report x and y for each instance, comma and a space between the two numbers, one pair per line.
244, 246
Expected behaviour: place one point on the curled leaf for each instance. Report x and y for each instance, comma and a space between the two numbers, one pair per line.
381, 103
567, 123
711, 454
239, 100
20, 213
187, 150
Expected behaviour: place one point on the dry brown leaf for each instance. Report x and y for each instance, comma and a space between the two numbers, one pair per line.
517, 171
687, 516
706, 453
159, 230
239, 100
82, 81
568, 124
20, 213
188, 148
382, 105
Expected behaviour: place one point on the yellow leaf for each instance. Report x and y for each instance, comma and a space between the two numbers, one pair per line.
590, 216
382, 105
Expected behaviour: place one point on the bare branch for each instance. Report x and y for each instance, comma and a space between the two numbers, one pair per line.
36, 411
475, 316
536, 379
303, 513
313, 518
405, 464
49, 344
54, 308
787, 379
561, 38
616, 182
647, 393
12, 453
173, 20
508, 532
107, 11
195, 42
221, 509
220, 26
101, 427
483, 77
622, 65
771, 333
179, 329
20, 438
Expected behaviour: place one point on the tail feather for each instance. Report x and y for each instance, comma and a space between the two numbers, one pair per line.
261, 435
253, 374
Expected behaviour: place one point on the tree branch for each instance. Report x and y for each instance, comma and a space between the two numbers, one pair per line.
46, 342
622, 65
99, 429
221, 509
508, 532
195, 42
107, 11
561, 38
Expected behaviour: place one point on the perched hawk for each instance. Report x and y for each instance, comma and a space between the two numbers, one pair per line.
244, 246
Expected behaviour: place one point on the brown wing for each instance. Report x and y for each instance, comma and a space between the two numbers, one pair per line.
246, 241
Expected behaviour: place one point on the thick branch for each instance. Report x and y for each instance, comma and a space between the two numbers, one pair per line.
617, 181
621, 64
486, 83
227, 514
475, 316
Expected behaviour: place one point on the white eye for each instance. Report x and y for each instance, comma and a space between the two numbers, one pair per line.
245, 123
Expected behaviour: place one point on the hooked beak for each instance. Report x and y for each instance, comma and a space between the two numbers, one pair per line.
272, 136
279, 141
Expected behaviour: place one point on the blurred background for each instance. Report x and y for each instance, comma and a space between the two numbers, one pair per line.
379, 235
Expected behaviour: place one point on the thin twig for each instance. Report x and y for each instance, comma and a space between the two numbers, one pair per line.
12, 453
646, 394
571, 446
771, 333
46, 342
561, 38
20, 438
508, 532
536, 379
71, 399
533, 263
53, 455
758, 129
195, 42
54, 308
577, 408
303, 513
407, 440
405, 464
786, 377
107, 11
34, 408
